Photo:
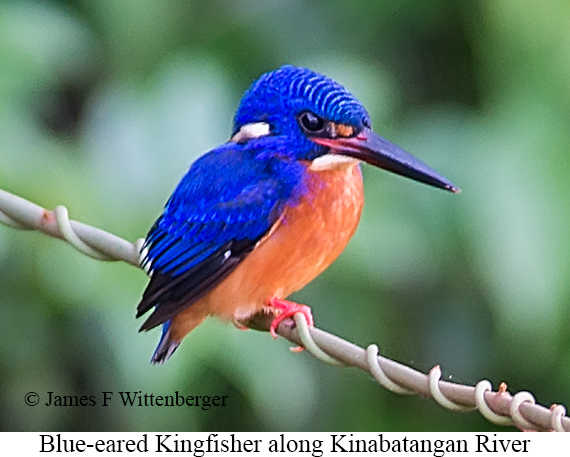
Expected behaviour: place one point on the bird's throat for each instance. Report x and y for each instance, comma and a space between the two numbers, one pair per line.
332, 161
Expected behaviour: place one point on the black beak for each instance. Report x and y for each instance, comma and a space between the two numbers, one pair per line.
377, 151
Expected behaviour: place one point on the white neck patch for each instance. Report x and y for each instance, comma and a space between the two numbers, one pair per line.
331, 161
251, 131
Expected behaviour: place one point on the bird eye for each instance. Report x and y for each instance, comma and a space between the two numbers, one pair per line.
311, 123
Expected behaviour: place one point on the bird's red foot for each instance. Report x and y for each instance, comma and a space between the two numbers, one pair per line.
282, 309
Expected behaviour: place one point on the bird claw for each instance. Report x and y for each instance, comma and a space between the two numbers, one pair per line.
282, 309
240, 326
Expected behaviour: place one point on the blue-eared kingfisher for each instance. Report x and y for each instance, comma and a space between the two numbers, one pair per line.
262, 215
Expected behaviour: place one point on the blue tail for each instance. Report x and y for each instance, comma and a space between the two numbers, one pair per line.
166, 346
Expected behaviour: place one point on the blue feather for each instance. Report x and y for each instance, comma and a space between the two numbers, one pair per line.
228, 194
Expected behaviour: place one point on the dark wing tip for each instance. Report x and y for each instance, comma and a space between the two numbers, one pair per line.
171, 295
148, 325
158, 317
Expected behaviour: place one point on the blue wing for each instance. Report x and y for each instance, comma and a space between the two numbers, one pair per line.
224, 205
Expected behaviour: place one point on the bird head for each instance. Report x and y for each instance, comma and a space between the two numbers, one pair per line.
298, 114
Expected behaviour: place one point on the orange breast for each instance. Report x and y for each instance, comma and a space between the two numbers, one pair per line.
306, 240
309, 237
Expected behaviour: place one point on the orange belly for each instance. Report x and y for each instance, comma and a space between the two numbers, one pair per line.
305, 241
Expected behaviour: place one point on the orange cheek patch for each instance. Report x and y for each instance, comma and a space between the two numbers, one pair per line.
344, 130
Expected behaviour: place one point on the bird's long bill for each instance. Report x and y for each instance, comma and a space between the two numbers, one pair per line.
377, 151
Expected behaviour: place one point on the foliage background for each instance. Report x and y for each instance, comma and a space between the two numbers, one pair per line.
104, 104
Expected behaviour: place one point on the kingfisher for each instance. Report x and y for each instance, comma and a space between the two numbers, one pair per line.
259, 217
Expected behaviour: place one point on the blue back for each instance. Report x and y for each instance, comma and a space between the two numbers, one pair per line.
228, 194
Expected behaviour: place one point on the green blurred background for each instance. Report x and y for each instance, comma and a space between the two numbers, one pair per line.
104, 104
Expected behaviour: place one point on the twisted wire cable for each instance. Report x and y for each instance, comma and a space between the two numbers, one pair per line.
498, 407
